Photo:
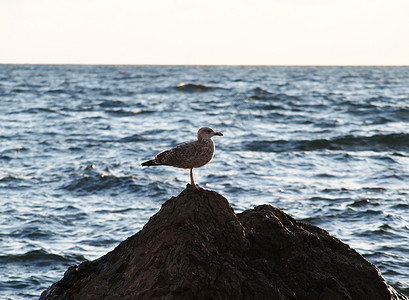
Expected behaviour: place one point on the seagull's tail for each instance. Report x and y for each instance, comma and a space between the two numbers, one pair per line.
148, 163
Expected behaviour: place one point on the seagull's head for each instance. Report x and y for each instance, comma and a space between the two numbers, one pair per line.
206, 133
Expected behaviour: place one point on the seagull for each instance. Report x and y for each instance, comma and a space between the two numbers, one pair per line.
188, 155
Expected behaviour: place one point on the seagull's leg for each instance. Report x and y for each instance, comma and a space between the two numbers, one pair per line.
192, 182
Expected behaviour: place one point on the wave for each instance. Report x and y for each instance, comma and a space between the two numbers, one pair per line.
37, 110
111, 104
377, 143
264, 95
8, 178
38, 257
259, 94
132, 138
194, 87
126, 113
27, 88
57, 91
97, 182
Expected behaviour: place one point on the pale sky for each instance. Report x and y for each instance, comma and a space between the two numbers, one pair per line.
227, 32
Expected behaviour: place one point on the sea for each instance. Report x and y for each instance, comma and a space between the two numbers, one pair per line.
328, 145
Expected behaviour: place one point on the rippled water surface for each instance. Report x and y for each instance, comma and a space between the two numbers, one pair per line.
328, 145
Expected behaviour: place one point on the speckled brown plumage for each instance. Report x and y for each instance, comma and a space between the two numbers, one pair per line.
188, 155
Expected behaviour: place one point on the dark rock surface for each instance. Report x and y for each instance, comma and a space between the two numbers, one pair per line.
196, 247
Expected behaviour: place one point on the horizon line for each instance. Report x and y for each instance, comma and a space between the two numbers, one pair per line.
212, 65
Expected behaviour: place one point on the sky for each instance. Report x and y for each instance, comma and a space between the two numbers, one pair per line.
208, 32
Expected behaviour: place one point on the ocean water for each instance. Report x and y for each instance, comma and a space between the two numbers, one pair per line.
328, 145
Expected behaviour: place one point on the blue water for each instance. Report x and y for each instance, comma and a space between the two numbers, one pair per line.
328, 145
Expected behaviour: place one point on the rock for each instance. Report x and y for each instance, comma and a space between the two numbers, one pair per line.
196, 247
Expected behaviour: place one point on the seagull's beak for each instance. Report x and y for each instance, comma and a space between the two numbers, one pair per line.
218, 133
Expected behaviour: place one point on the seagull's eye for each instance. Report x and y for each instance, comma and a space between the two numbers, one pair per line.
209, 131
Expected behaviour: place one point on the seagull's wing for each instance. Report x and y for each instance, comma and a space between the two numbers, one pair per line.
180, 156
